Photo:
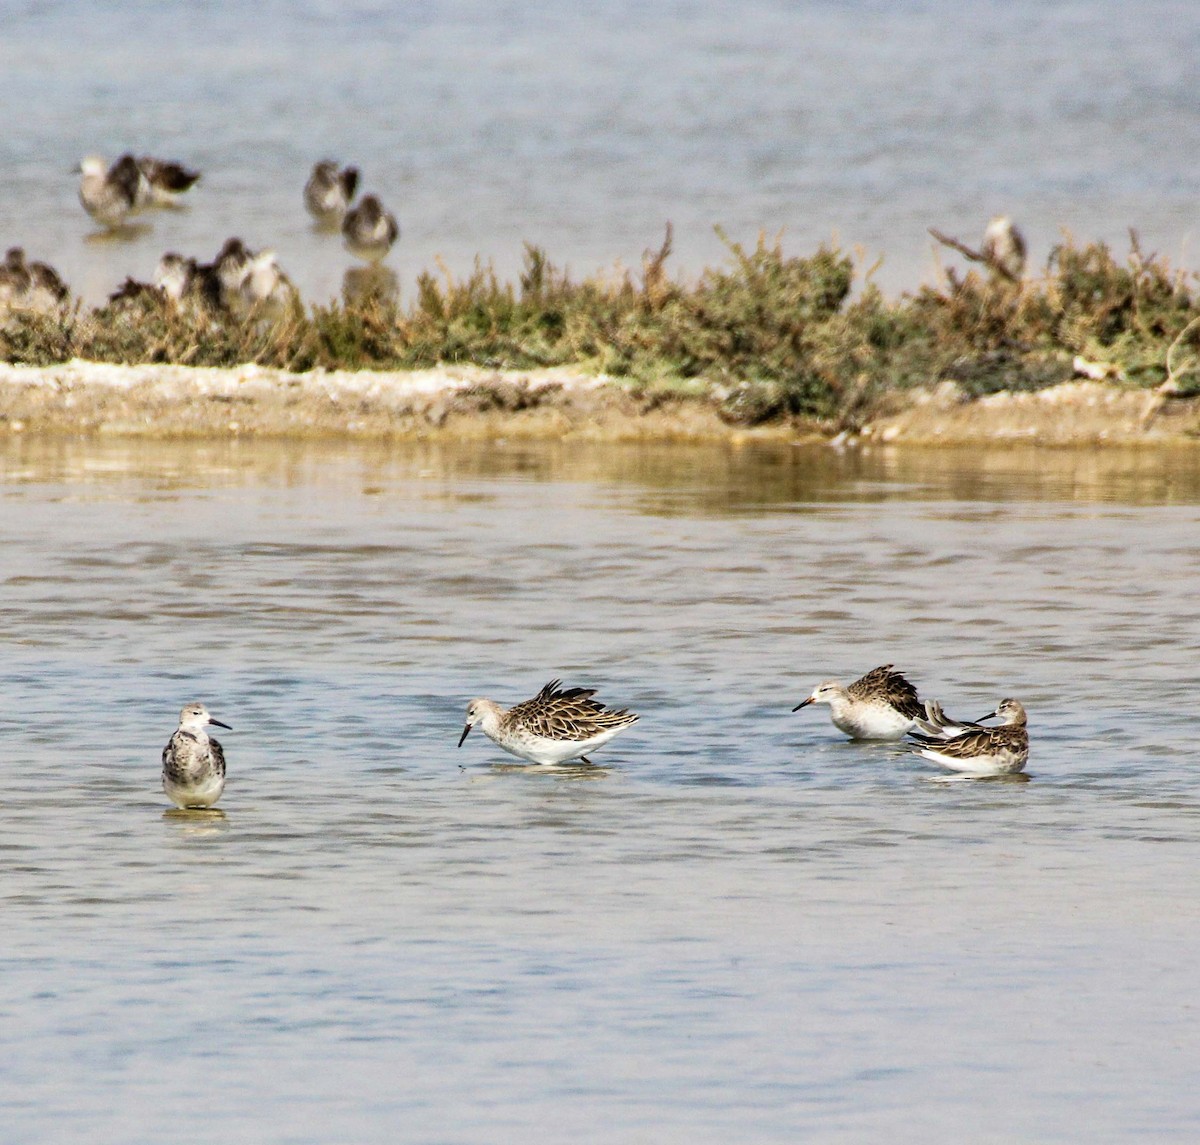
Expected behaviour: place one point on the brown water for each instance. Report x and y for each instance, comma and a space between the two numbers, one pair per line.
742, 928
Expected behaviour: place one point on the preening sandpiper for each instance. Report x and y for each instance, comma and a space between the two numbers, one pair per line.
980, 751
556, 725
166, 180
369, 230
880, 705
193, 763
111, 195
329, 192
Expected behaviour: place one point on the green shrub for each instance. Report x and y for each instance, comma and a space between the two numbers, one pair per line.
766, 334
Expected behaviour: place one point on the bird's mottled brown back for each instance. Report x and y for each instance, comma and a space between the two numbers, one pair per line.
169, 176
886, 683
126, 174
566, 714
984, 741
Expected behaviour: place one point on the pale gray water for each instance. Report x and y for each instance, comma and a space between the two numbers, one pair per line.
742, 929
586, 127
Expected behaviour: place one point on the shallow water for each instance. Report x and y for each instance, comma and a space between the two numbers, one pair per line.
739, 928
586, 127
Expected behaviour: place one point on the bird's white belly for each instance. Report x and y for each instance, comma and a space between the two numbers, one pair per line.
538, 749
994, 763
203, 794
872, 723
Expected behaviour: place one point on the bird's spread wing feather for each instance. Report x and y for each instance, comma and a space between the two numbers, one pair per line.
887, 682
126, 175
170, 176
567, 714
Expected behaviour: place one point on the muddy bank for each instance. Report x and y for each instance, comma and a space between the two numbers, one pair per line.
470, 402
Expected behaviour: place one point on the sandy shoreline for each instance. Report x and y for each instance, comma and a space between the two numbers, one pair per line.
469, 402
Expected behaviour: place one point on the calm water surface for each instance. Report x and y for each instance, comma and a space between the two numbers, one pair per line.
742, 928
585, 127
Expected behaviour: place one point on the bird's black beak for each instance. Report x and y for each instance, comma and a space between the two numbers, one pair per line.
987, 717
218, 724
802, 704
466, 732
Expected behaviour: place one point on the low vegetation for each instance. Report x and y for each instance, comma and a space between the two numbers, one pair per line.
767, 335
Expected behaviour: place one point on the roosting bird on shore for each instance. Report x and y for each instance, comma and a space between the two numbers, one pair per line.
237, 282
176, 276
25, 285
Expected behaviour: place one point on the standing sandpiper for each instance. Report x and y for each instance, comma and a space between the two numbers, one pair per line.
193, 772
329, 192
369, 230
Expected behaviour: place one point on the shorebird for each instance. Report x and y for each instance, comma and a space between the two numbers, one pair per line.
230, 268
193, 764
1004, 248
131, 291
369, 230
111, 195
246, 279
556, 725
166, 180
264, 285
328, 192
177, 280
977, 750
29, 285
237, 281
175, 276
880, 705
15, 279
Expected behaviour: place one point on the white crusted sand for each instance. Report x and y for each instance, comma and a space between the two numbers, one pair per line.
471, 402
376, 385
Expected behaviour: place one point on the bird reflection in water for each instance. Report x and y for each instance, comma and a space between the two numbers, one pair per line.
373, 283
